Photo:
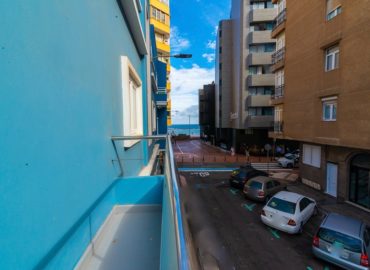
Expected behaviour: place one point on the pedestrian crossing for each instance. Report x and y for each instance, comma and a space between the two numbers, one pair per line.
273, 166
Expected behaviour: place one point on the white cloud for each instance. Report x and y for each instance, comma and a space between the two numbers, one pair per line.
186, 83
209, 56
215, 31
178, 42
211, 44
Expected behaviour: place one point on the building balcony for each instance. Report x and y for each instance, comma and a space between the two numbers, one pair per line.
278, 97
278, 56
259, 59
163, 47
277, 132
258, 101
261, 80
279, 91
136, 223
280, 24
262, 15
161, 5
259, 121
161, 99
160, 27
257, 37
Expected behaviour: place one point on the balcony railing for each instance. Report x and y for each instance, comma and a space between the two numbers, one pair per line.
278, 56
278, 126
279, 91
172, 194
280, 19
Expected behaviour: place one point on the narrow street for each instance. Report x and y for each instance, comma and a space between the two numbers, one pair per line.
250, 243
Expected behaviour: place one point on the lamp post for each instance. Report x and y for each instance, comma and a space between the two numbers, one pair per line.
179, 55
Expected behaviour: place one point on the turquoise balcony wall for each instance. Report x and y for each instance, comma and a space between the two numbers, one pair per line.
60, 78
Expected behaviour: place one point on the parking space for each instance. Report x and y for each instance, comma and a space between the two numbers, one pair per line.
250, 243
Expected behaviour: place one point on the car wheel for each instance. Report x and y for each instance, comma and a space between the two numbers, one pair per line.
289, 165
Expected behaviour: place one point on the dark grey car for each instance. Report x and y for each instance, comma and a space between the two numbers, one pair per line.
262, 188
343, 241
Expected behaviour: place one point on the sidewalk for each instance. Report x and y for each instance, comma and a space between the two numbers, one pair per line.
328, 204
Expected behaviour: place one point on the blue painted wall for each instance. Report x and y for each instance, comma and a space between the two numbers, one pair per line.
138, 190
60, 78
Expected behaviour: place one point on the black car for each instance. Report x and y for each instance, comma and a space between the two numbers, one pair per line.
240, 176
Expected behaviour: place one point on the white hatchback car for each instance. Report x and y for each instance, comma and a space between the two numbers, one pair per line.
288, 211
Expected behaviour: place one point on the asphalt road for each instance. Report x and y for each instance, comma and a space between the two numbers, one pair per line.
250, 243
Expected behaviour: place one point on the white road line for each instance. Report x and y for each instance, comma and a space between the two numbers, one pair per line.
178, 146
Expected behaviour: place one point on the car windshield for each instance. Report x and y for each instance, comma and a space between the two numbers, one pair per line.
255, 185
289, 157
340, 240
281, 205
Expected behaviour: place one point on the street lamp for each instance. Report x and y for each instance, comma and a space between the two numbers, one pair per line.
179, 55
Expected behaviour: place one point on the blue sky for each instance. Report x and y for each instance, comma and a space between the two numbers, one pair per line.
193, 30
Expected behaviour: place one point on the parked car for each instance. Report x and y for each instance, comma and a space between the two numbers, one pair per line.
343, 241
240, 176
288, 211
287, 161
262, 188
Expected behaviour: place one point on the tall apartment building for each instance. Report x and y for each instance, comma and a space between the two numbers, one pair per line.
244, 81
207, 112
160, 18
324, 100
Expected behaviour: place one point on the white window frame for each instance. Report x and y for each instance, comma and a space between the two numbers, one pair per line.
334, 12
311, 155
132, 101
330, 102
332, 58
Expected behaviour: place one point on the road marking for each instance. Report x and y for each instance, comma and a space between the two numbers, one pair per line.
195, 145
249, 207
274, 233
233, 191
178, 146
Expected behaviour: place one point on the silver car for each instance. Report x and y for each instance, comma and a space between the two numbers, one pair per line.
262, 188
343, 241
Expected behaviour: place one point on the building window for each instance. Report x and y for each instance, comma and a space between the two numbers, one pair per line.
333, 8
329, 109
312, 155
332, 58
131, 101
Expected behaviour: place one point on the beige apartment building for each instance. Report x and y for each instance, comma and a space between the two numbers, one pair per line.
244, 80
322, 93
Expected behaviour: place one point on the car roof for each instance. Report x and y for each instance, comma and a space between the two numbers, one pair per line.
288, 196
261, 179
347, 225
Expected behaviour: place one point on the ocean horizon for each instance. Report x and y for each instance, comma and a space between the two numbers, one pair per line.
192, 129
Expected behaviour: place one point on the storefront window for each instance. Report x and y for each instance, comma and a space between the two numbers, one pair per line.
359, 187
